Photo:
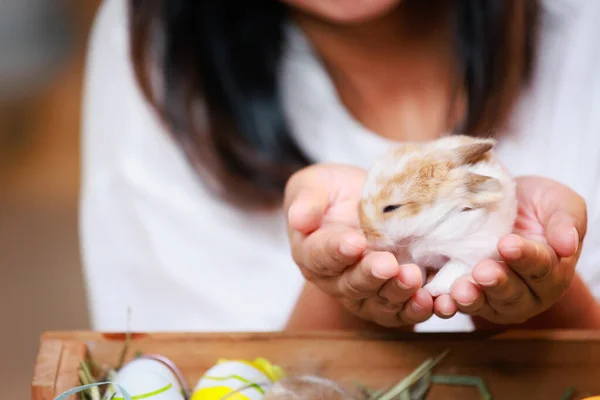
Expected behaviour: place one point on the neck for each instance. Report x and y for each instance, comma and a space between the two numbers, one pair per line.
386, 69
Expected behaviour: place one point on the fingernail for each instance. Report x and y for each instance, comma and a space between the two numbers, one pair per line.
465, 304
298, 207
402, 285
490, 283
378, 276
416, 308
348, 250
513, 252
382, 272
575, 235
298, 215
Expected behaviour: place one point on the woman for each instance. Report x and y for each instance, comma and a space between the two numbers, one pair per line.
198, 113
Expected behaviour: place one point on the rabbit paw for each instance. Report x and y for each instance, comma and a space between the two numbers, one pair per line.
438, 288
442, 281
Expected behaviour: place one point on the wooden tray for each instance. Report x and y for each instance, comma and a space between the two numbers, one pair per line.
515, 365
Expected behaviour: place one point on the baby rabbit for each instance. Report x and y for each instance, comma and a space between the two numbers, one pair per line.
307, 388
442, 204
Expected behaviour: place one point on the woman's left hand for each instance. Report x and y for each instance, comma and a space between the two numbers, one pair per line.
539, 258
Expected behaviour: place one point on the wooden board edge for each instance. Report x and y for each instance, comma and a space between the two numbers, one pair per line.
543, 335
46, 367
68, 371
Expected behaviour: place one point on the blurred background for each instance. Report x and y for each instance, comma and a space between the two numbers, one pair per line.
42, 55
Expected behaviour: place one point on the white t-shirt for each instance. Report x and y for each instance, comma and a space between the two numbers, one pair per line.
155, 240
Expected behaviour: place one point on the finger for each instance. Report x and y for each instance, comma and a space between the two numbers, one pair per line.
504, 290
355, 306
327, 252
444, 307
562, 234
381, 312
384, 308
418, 309
559, 204
469, 298
307, 196
307, 210
366, 278
535, 262
396, 292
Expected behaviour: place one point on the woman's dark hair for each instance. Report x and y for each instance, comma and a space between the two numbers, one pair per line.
224, 54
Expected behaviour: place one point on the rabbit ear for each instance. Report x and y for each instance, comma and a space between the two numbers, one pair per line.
483, 191
473, 152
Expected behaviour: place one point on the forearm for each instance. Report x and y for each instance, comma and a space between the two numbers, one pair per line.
577, 309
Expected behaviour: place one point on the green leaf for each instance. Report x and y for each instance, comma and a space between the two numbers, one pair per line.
568, 395
127, 342
87, 372
405, 395
474, 381
417, 374
421, 387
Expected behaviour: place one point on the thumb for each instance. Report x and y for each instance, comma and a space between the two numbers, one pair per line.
564, 217
562, 234
307, 197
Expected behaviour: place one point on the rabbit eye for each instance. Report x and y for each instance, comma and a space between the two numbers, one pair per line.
466, 209
391, 208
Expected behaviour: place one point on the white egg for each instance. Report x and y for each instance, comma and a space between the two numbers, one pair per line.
148, 377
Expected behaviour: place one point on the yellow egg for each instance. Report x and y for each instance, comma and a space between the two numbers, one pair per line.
237, 379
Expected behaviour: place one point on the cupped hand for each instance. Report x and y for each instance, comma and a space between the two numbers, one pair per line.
538, 258
321, 204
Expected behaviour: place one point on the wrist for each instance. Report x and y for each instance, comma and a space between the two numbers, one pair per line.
577, 309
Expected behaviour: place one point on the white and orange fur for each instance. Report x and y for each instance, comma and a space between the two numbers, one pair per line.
442, 204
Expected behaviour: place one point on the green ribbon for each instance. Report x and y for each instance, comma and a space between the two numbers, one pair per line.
126, 396
239, 378
146, 395
65, 395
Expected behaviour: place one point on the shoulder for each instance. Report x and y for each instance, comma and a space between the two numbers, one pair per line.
109, 31
127, 153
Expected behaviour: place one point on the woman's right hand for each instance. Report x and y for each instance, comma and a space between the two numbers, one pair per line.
321, 204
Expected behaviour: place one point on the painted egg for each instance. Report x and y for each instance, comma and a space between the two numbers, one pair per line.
147, 378
237, 379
